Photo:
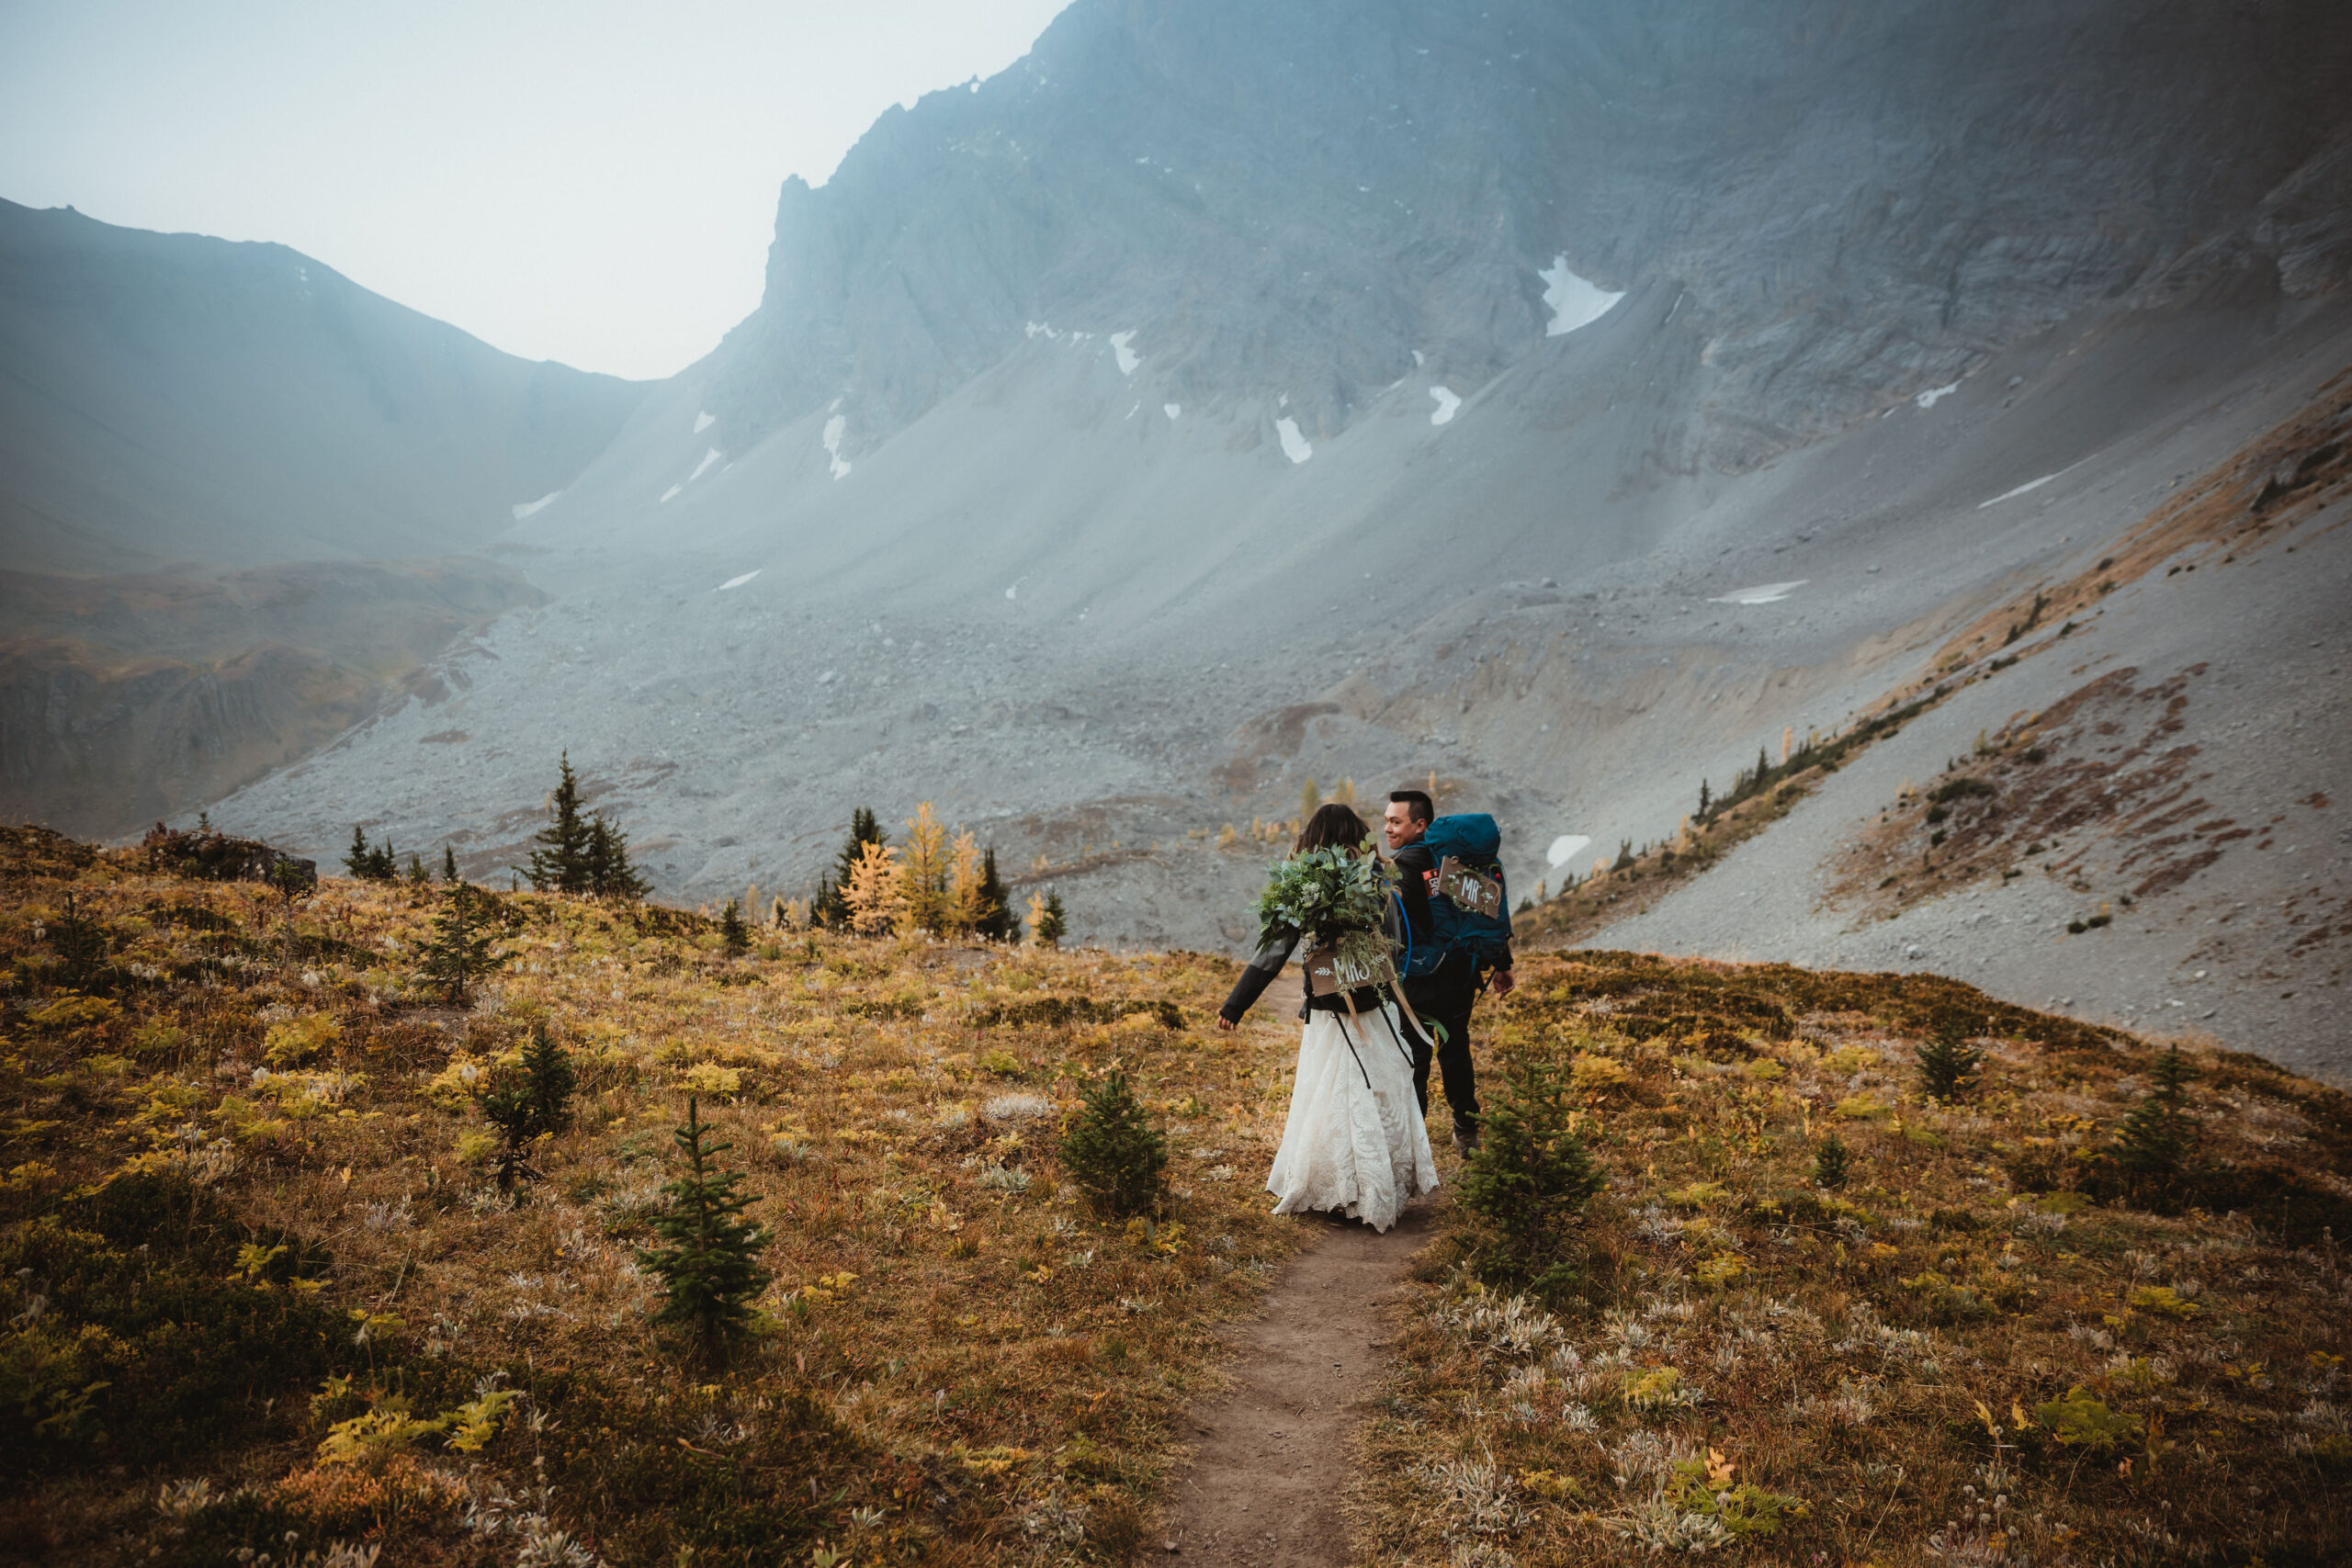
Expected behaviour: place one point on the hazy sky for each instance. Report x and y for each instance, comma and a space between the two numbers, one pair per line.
568, 179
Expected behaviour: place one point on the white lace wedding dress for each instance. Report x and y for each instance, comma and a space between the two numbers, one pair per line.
1354, 1140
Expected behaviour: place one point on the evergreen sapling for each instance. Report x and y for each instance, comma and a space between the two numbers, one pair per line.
449, 863
561, 864
461, 951
2155, 1142
1830, 1162
1053, 921
79, 943
1948, 1063
1530, 1179
610, 874
529, 1102
997, 922
1112, 1152
734, 936
709, 1271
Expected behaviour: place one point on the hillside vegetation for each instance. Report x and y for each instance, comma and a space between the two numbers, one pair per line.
268, 1295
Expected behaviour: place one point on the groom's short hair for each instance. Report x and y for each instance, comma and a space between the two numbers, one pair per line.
1417, 803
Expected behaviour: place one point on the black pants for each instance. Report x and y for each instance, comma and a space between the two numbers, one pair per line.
1445, 999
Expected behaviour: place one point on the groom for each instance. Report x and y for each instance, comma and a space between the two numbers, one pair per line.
1445, 996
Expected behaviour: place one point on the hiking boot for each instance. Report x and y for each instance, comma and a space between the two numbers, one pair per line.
1466, 1141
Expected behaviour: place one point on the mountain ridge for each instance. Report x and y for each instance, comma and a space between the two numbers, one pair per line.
174, 399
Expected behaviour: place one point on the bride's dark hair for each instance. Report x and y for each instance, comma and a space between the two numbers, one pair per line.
1332, 825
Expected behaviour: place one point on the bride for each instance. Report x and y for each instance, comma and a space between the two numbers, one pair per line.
1354, 1144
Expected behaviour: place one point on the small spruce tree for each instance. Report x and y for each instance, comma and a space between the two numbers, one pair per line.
79, 942
449, 863
610, 874
1112, 1151
560, 863
1053, 921
504, 1100
549, 1075
2155, 1142
1705, 800
734, 936
997, 922
1529, 1179
1829, 1162
417, 875
527, 1102
1948, 1063
709, 1271
461, 952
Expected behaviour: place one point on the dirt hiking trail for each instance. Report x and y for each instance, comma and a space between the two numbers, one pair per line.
1271, 1457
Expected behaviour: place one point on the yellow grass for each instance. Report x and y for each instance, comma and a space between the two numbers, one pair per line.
960, 1362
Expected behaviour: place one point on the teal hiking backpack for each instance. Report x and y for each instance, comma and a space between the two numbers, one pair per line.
1467, 914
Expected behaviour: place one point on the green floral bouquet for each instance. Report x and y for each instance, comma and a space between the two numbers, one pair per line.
1333, 897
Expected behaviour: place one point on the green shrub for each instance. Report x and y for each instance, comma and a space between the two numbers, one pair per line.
2080, 1421
1829, 1162
1530, 1181
1113, 1151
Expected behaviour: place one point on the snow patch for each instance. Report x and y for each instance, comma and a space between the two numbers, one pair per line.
703, 422
738, 581
1128, 358
2028, 485
1039, 329
704, 466
1575, 301
1013, 591
525, 508
1565, 848
1935, 395
1762, 593
1447, 401
833, 428
1419, 359
672, 491
1296, 447
1173, 411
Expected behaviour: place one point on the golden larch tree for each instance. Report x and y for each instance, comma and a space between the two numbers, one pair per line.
925, 871
964, 910
877, 894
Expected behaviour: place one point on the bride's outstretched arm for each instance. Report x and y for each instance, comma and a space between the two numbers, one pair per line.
1271, 955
